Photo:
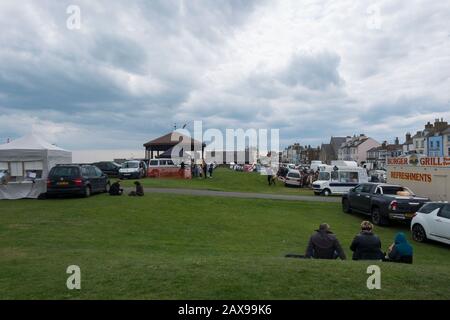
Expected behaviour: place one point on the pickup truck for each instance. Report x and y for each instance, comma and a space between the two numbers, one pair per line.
383, 202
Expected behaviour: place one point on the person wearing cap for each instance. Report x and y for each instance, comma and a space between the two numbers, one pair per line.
323, 244
366, 245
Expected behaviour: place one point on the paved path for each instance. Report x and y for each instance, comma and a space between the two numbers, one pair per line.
245, 195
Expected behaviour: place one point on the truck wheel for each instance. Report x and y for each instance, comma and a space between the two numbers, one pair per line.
418, 233
377, 218
87, 192
326, 192
346, 206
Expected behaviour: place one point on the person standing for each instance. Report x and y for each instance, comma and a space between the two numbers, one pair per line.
205, 168
269, 173
210, 169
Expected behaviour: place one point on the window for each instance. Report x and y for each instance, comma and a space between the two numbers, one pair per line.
438, 144
65, 172
394, 189
366, 188
353, 176
324, 176
153, 162
378, 191
91, 172
417, 144
344, 177
422, 143
294, 175
170, 162
33, 169
131, 164
85, 172
16, 169
4, 166
98, 172
334, 176
429, 207
359, 188
348, 177
431, 144
445, 212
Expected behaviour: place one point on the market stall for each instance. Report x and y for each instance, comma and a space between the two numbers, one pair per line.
25, 164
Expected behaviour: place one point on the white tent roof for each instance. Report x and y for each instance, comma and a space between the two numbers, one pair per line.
29, 142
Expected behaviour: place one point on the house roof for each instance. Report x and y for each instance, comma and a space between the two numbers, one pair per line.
336, 142
172, 138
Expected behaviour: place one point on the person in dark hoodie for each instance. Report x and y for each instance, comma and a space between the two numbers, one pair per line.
139, 190
400, 251
324, 245
115, 189
366, 245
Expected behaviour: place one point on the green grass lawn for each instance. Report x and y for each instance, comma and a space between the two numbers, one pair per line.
184, 247
224, 179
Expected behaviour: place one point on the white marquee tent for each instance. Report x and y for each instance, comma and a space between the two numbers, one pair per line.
27, 161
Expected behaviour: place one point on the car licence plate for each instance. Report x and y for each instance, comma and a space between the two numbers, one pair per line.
64, 183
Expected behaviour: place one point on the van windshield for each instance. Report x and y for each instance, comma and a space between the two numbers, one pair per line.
127, 165
324, 176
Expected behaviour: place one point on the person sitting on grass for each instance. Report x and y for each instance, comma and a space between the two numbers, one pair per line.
366, 245
139, 190
115, 189
323, 244
400, 251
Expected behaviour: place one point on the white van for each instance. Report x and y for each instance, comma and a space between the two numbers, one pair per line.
315, 164
338, 179
133, 169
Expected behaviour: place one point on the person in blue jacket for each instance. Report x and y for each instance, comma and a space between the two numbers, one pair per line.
400, 251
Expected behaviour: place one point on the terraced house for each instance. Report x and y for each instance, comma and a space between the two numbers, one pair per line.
355, 148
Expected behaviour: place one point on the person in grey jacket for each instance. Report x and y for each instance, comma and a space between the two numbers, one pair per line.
323, 244
366, 245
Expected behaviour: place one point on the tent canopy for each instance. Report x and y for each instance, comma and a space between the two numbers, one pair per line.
32, 148
29, 142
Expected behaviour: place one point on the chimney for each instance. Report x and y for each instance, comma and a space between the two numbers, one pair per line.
428, 125
397, 142
384, 144
408, 137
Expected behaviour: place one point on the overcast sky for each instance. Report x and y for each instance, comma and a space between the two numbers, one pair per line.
310, 68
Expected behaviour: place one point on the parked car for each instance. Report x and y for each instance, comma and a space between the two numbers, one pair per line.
293, 178
432, 221
382, 202
133, 169
73, 179
110, 168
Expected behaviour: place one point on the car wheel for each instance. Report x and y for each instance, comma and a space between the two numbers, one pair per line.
87, 191
346, 206
107, 186
326, 192
377, 218
418, 233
